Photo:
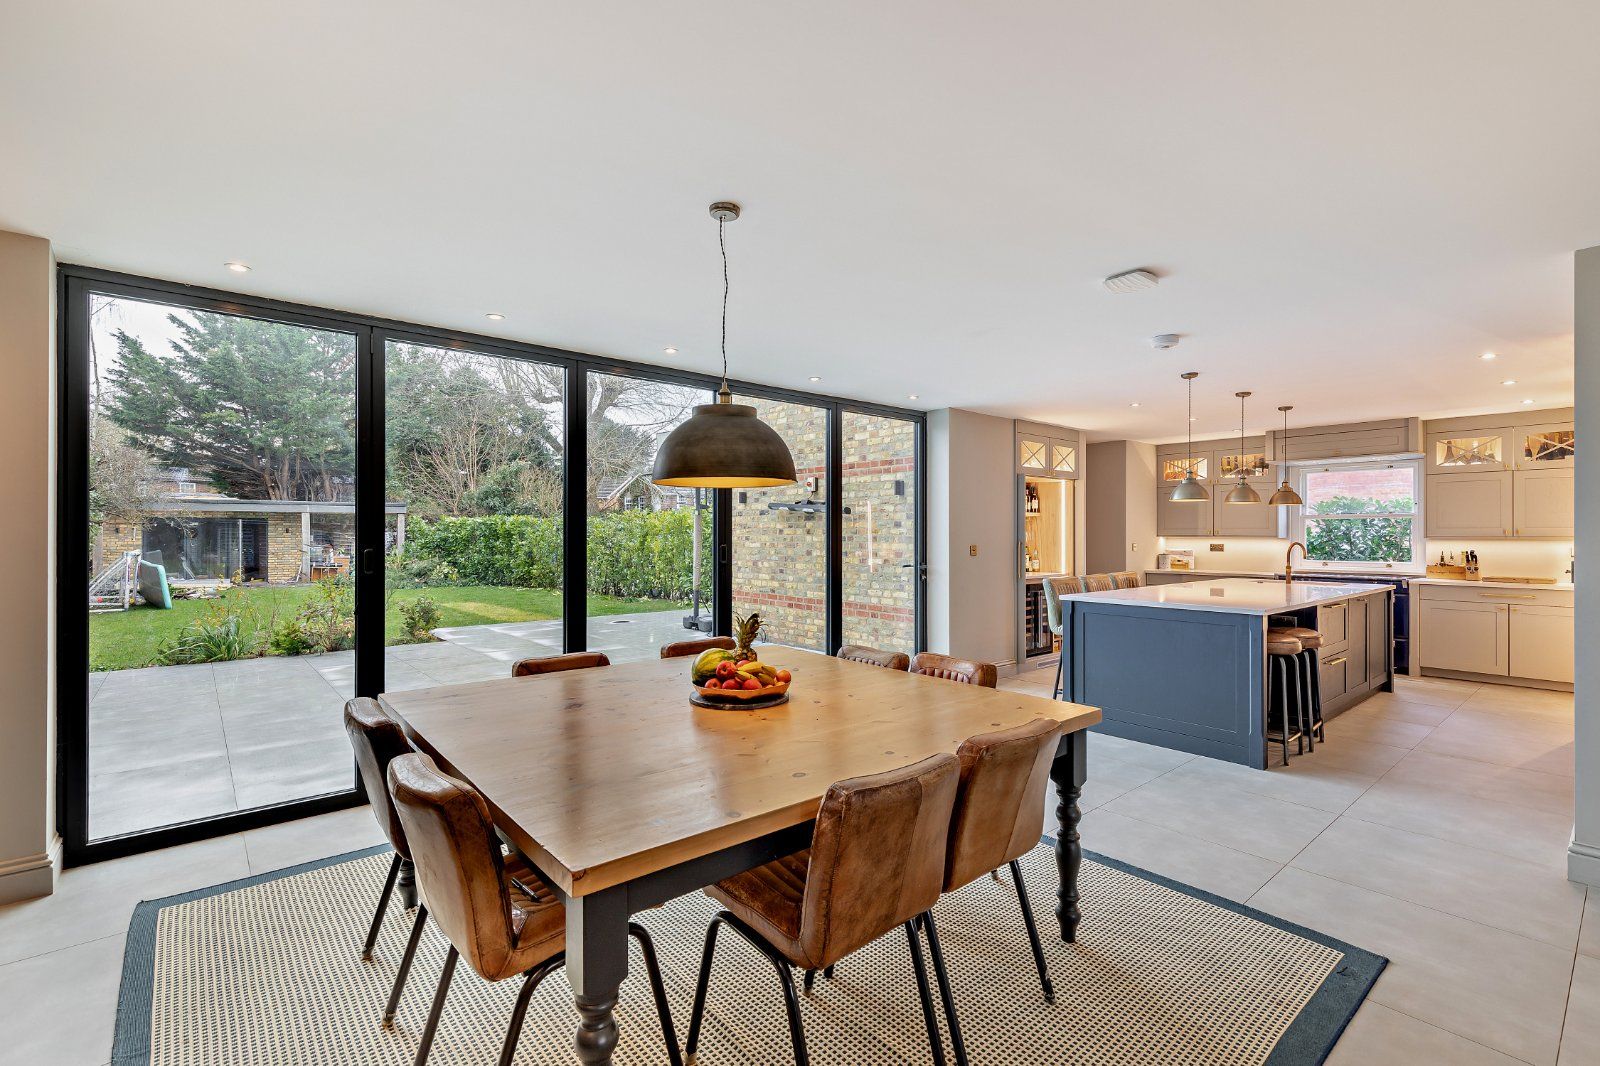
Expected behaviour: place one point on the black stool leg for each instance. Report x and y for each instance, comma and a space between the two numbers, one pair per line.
1280, 703
658, 989
1033, 933
405, 966
383, 908
438, 1007
942, 977
924, 993
1306, 673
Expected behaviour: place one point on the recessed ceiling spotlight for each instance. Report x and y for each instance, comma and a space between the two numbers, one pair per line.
1194, 420
1134, 404
495, 316
670, 350
1486, 355
1527, 403
1131, 281
237, 267
913, 396
815, 378
1509, 381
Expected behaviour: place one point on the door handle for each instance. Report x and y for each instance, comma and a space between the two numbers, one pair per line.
368, 558
1335, 661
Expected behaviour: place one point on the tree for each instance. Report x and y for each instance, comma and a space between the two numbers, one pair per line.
260, 410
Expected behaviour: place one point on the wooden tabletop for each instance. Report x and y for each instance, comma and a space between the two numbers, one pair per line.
604, 775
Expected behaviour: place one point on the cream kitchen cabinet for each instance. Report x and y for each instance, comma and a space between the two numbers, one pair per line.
1474, 637
1475, 504
1543, 502
1541, 642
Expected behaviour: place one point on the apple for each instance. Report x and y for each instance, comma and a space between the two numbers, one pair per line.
784, 676
726, 669
752, 685
713, 683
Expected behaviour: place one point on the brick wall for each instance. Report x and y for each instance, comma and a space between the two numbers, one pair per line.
879, 531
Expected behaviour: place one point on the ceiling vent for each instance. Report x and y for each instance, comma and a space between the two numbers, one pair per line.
1162, 341
1131, 281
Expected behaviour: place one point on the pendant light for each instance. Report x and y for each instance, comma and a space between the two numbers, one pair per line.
1189, 490
1243, 492
724, 445
1285, 496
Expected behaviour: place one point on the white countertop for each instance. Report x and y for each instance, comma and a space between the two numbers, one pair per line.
1233, 595
1531, 586
1305, 573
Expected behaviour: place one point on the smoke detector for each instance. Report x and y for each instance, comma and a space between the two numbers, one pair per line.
1131, 281
1162, 341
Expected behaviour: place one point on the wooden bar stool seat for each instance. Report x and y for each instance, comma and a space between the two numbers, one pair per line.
1283, 691
1309, 669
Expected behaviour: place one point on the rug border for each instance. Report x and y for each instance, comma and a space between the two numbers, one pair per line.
1299, 1044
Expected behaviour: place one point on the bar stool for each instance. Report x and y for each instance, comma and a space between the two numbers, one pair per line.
1310, 669
1283, 689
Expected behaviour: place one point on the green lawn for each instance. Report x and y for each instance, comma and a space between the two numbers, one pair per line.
120, 640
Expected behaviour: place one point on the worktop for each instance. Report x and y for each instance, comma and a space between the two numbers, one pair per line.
1232, 595
1531, 586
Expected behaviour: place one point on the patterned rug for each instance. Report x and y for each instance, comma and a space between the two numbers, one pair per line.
266, 972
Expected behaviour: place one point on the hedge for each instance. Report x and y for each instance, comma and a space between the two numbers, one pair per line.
644, 554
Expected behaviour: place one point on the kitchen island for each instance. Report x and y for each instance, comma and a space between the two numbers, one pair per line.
1185, 666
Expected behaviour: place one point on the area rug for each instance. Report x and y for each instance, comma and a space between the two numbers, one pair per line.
266, 972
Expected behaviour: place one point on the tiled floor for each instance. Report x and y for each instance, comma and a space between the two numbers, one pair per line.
1441, 845
174, 743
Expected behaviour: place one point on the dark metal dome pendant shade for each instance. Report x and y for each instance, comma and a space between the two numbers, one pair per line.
724, 445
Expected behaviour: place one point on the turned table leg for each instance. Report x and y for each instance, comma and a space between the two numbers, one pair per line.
597, 962
1069, 771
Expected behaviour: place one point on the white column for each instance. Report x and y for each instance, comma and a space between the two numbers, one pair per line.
1583, 858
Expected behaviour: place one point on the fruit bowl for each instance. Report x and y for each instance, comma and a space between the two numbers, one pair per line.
743, 695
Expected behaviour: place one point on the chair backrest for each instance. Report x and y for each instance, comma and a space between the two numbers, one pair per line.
967, 671
378, 740
1054, 589
459, 865
680, 648
1127, 579
889, 660
999, 813
551, 664
1098, 583
877, 856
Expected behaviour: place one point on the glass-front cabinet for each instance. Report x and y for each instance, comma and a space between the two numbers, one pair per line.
1546, 447
1450, 453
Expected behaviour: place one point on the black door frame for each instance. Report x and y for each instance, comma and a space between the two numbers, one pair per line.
77, 283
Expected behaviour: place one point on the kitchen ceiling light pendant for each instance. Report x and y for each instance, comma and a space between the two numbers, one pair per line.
1285, 496
1243, 492
724, 445
1189, 490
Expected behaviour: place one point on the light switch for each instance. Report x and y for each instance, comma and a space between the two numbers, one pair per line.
972, 549
1135, 546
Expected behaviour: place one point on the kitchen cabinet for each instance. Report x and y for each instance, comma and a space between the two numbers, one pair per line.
1541, 642
1543, 502
1473, 504
1356, 641
1357, 440
1465, 635
1380, 617
1217, 465
1246, 519
1046, 451
1545, 446
1469, 450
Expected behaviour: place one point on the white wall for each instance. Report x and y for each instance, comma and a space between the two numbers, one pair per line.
1121, 511
29, 850
1583, 858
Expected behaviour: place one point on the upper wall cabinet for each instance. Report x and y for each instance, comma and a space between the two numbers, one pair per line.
1216, 465
1546, 446
1476, 503
1498, 476
1047, 451
1355, 440
1455, 453
1543, 504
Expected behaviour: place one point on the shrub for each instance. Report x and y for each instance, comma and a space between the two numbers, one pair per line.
290, 638
216, 637
328, 620
419, 617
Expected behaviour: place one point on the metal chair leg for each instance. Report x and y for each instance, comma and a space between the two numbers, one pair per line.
658, 989
405, 967
1061, 669
408, 884
530, 984
811, 980
827, 973
1033, 933
438, 1007
942, 977
924, 993
791, 1001
700, 986
383, 909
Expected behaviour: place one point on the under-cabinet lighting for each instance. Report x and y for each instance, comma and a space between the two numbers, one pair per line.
1486, 355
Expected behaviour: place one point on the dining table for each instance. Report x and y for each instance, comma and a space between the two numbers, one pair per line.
624, 795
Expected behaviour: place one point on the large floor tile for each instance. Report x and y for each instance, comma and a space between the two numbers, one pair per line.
276, 847
1520, 741
131, 800
1450, 775
1440, 691
286, 772
1533, 835
1492, 987
1222, 814
1376, 729
1357, 756
60, 1008
1305, 780
1387, 705
1180, 856
1580, 1040
1103, 745
1378, 1036
1533, 901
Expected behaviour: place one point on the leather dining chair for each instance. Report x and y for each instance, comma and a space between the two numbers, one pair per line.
378, 740
551, 664
495, 911
876, 861
966, 671
860, 653
680, 648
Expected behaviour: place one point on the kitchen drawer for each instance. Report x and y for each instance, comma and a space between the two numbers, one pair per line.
1468, 592
1335, 677
1333, 622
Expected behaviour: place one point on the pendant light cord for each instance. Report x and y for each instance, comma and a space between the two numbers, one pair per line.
723, 245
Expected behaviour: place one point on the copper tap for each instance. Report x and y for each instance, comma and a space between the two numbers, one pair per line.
1288, 561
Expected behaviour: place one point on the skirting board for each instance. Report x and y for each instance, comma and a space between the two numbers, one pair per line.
1583, 864
1498, 679
30, 876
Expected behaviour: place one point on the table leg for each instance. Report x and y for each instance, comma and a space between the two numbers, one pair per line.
597, 962
1069, 771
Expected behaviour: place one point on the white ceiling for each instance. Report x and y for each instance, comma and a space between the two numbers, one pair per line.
1350, 202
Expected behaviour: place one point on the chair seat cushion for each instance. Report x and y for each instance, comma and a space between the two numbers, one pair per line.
538, 917
1279, 645
1308, 638
768, 900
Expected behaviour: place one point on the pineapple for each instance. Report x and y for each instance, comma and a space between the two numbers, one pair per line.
746, 629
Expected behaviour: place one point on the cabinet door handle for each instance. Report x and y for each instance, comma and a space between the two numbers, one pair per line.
1335, 661
1508, 595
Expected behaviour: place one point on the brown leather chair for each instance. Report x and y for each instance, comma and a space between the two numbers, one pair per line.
999, 817
876, 861
889, 660
551, 664
680, 648
967, 671
378, 740
494, 910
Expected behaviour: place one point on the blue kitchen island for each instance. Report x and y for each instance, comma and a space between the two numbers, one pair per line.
1184, 666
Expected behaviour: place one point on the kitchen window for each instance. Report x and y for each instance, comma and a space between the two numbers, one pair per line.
1361, 514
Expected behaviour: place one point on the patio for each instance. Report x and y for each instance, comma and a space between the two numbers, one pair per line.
171, 744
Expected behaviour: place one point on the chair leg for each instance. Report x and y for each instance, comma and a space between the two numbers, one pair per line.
791, 1001
383, 909
438, 1007
924, 993
942, 977
700, 986
408, 884
811, 980
405, 967
658, 989
530, 984
827, 972
1033, 933
1061, 669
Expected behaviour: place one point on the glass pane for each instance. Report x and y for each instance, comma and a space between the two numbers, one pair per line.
1391, 490
1467, 452
474, 446
1252, 464
221, 480
780, 535
1063, 458
1551, 446
878, 480
1353, 540
1030, 453
648, 545
1175, 469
